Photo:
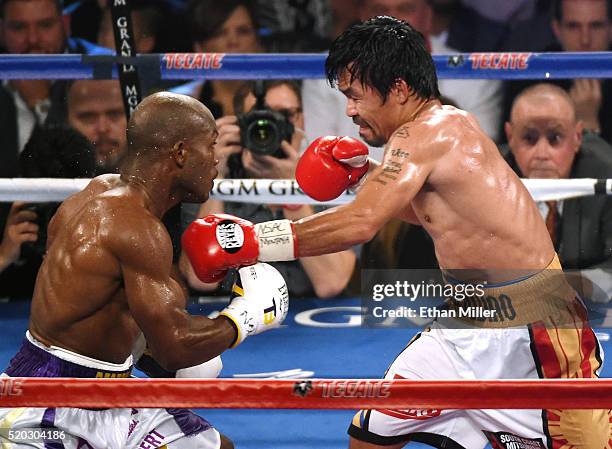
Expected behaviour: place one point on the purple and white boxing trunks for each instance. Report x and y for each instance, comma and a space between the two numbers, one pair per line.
77, 428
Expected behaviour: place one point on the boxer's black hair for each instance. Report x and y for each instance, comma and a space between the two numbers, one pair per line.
380, 51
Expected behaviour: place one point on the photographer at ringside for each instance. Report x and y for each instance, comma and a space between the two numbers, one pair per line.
53, 151
270, 116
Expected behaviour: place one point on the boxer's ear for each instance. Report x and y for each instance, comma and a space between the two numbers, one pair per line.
401, 90
179, 153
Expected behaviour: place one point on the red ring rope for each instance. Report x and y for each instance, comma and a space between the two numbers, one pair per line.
307, 394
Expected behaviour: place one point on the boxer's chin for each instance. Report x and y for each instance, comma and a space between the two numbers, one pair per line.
196, 197
374, 141
368, 136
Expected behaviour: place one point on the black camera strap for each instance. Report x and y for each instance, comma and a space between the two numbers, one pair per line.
260, 95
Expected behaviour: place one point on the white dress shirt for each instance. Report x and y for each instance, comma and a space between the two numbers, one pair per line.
26, 117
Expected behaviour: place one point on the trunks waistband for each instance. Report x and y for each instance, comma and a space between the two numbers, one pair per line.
34, 359
543, 297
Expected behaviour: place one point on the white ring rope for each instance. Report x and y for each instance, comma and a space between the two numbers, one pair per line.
279, 191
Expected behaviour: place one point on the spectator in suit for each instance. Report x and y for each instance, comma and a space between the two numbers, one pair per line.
28, 26
32, 27
585, 26
547, 140
580, 26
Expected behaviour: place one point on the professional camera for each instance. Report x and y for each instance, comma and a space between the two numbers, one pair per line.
262, 129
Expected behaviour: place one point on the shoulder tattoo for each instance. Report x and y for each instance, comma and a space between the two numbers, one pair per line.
402, 132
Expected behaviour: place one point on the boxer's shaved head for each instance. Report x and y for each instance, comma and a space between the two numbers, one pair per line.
163, 119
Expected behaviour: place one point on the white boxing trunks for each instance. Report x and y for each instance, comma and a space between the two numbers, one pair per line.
548, 348
131, 428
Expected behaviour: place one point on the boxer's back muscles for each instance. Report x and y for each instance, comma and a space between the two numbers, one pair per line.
80, 300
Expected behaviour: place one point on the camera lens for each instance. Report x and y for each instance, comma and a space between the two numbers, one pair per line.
262, 133
262, 130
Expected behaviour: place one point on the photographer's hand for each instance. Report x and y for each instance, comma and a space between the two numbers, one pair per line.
228, 142
20, 228
270, 167
587, 97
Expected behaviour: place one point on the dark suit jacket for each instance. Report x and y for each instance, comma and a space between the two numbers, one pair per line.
513, 88
586, 223
9, 154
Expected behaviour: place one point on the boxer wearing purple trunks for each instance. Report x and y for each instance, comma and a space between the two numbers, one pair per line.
107, 279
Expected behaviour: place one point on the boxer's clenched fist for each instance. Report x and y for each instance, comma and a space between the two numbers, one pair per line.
330, 165
260, 301
218, 242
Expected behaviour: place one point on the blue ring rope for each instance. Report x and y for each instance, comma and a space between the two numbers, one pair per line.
187, 66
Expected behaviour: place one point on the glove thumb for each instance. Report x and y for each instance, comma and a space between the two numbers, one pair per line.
351, 152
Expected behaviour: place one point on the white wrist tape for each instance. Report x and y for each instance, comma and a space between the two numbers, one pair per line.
277, 241
206, 370
355, 188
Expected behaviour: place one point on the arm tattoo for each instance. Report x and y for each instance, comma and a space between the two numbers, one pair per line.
400, 153
391, 167
391, 170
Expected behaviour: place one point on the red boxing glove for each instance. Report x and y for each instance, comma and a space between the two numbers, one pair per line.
330, 165
218, 242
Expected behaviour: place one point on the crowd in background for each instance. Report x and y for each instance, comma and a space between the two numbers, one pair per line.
559, 129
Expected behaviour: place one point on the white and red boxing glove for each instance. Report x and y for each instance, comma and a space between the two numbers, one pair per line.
219, 242
330, 165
